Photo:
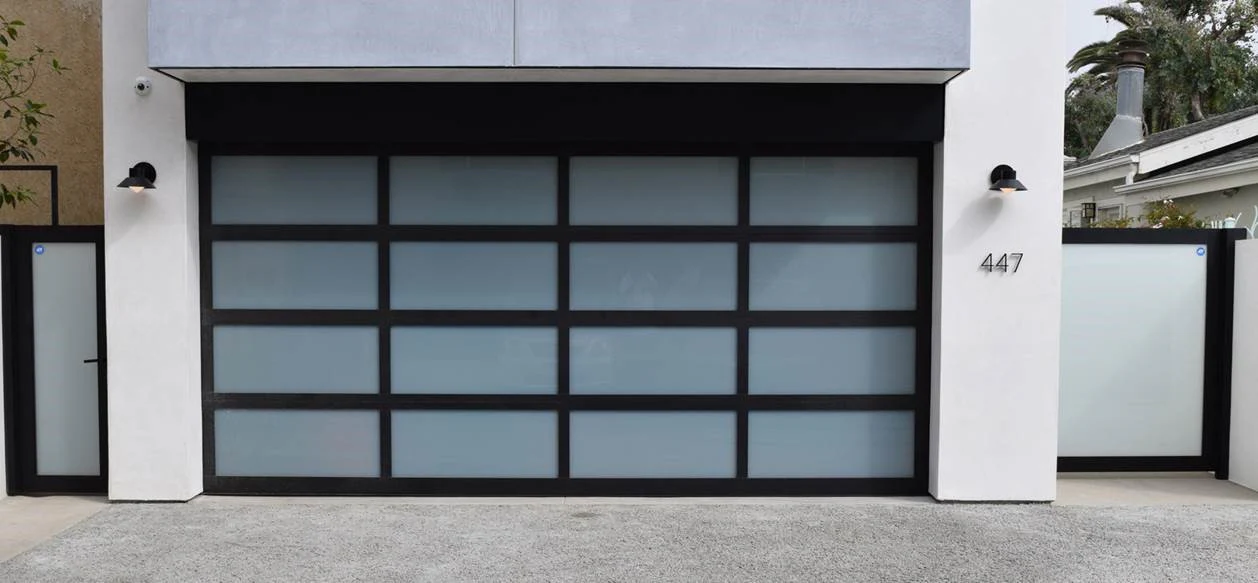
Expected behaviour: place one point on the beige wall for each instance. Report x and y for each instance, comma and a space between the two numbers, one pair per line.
72, 140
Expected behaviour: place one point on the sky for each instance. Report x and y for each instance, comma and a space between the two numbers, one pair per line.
1083, 27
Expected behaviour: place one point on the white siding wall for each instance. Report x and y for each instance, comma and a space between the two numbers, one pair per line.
995, 342
1102, 194
1209, 206
1216, 206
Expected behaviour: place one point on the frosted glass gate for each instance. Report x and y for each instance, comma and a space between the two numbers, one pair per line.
1144, 339
55, 343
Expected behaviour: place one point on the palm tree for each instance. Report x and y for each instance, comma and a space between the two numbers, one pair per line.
1198, 55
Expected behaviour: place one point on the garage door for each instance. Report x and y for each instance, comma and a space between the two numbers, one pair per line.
565, 323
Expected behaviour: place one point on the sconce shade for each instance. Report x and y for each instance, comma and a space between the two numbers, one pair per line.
1005, 179
141, 177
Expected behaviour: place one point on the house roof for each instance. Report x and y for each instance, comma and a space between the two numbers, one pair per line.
1213, 160
1169, 136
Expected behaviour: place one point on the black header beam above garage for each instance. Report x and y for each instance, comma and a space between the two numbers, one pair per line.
477, 113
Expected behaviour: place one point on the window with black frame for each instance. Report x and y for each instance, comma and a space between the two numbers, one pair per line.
565, 323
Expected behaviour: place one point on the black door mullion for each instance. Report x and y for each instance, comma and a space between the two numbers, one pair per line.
384, 342
743, 359
563, 332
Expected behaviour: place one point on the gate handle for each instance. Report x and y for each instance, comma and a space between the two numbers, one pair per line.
91, 360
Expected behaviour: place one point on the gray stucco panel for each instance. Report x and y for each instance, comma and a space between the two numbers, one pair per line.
330, 33
738, 34
831, 34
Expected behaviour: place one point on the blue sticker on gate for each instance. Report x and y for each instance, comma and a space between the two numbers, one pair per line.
39, 249
1201, 252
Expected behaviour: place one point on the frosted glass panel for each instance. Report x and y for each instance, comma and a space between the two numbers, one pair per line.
845, 444
834, 191
294, 275
1132, 350
296, 359
653, 361
473, 190
297, 443
654, 191
654, 276
840, 276
294, 190
475, 444
652, 445
839, 361
473, 276
469, 360
67, 404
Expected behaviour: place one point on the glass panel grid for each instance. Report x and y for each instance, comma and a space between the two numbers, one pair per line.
728, 287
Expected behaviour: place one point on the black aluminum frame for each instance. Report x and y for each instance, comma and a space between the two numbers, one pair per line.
54, 204
562, 319
19, 361
1220, 247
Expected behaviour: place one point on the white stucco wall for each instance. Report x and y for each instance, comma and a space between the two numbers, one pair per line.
151, 277
995, 342
995, 337
1244, 446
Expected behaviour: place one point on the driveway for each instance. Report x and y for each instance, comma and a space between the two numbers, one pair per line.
371, 540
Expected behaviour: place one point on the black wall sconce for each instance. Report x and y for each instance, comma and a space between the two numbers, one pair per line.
1005, 179
141, 177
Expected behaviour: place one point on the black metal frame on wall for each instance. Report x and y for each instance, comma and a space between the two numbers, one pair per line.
1217, 383
19, 359
562, 318
54, 205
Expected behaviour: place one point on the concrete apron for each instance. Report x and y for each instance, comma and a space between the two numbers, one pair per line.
26, 522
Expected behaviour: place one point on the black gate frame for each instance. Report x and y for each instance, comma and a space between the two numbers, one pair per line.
742, 319
1220, 247
19, 359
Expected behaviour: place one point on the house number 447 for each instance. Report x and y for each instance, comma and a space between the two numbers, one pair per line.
1006, 263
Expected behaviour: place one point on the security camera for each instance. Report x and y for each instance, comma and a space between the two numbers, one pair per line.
143, 85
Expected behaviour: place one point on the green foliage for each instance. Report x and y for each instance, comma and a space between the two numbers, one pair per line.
1166, 214
21, 115
1090, 106
1201, 63
1123, 223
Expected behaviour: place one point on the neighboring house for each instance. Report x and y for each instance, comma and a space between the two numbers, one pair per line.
1210, 166
556, 247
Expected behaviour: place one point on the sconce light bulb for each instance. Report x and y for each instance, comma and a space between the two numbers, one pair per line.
137, 189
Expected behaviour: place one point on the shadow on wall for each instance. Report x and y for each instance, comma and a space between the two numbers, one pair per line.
976, 218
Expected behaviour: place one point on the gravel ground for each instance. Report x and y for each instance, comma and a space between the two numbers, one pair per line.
352, 541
